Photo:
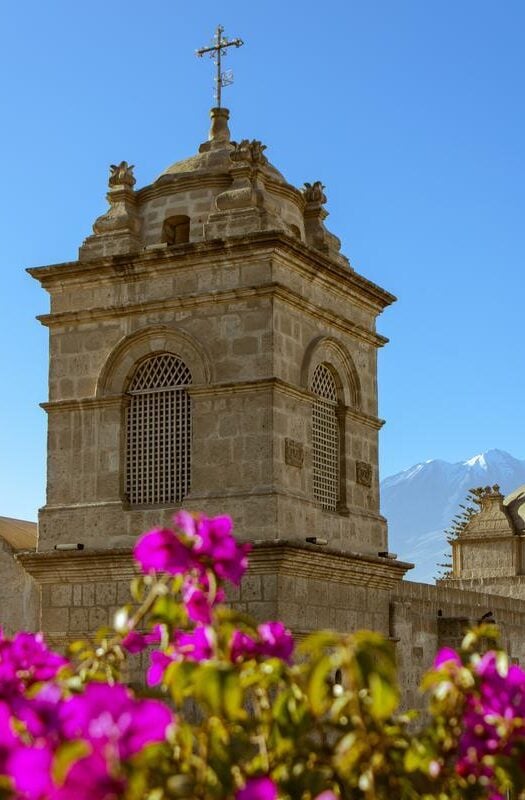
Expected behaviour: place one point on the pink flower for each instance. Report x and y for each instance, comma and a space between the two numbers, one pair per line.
196, 645
276, 641
162, 550
134, 642
446, 654
197, 604
258, 789
215, 541
158, 663
90, 779
328, 795
25, 659
242, 646
109, 715
186, 523
30, 769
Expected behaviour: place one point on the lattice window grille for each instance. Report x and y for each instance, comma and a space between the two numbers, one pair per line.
325, 439
159, 432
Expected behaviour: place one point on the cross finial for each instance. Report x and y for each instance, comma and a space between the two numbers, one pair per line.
217, 50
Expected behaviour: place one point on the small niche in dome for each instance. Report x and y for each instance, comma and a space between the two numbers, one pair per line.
295, 231
176, 230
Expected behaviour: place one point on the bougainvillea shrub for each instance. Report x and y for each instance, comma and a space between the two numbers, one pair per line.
232, 708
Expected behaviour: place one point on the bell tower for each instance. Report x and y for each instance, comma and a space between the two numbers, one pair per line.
212, 348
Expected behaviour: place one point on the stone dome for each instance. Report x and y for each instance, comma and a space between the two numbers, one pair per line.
227, 189
515, 504
215, 154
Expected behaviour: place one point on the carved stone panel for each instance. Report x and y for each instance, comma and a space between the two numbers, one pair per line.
293, 453
363, 473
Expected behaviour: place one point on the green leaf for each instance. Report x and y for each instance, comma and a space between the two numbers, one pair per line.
179, 678
384, 697
233, 696
65, 756
209, 689
318, 689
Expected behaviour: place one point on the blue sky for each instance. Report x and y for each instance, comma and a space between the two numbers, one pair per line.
410, 112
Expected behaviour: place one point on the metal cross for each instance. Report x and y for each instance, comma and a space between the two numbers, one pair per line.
217, 51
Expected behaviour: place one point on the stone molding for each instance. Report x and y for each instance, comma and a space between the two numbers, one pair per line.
232, 251
326, 349
272, 290
212, 390
296, 559
281, 557
124, 358
79, 566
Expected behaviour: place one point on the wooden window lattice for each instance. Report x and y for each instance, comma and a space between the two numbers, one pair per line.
325, 439
159, 432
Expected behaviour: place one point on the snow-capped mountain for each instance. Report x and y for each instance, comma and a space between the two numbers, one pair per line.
419, 503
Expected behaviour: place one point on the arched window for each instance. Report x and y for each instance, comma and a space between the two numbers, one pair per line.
325, 439
176, 230
158, 468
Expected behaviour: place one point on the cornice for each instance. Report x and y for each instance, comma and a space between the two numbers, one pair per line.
295, 559
214, 390
82, 403
171, 186
79, 566
278, 290
141, 263
277, 557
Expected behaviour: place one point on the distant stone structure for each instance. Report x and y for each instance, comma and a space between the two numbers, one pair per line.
212, 347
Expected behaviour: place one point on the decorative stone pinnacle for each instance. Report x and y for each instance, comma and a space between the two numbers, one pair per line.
313, 193
121, 175
250, 151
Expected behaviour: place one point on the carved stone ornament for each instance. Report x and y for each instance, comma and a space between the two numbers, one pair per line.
313, 193
363, 473
121, 175
293, 453
252, 152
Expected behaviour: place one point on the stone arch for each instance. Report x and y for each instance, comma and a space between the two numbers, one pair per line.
326, 350
131, 350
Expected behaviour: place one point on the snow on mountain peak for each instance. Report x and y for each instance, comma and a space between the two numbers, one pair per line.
478, 460
420, 502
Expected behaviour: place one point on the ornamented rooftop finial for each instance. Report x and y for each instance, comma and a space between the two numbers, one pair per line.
121, 175
313, 193
216, 51
253, 152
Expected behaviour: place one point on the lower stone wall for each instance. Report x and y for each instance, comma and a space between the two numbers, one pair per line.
424, 618
19, 594
308, 587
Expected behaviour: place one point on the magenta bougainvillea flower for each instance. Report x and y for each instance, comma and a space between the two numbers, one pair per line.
158, 663
262, 788
162, 550
24, 660
197, 603
196, 645
198, 544
135, 642
446, 654
243, 646
274, 641
109, 715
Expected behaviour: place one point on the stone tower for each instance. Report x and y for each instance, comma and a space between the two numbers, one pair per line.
212, 347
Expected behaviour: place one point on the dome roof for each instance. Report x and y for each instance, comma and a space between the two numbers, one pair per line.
515, 504
214, 155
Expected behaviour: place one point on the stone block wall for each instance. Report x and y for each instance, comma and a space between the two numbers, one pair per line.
424, 618
249, 317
